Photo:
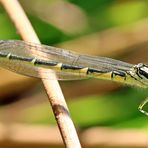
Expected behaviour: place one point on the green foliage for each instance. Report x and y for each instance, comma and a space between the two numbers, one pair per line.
47, 32
114, 110
91, 7
7, 29
127, 13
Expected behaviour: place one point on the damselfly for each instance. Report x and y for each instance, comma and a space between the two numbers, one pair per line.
48, 62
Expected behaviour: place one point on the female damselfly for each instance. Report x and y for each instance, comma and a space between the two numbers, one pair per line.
48, 62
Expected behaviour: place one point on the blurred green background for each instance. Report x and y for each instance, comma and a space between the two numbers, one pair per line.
59, 23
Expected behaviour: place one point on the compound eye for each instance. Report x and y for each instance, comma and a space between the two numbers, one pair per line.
144, 71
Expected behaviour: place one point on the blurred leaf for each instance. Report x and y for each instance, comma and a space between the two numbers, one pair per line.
8, 30
127, 12
117, 14
107, 110
91, 7
46, 32
115, 110
139, 122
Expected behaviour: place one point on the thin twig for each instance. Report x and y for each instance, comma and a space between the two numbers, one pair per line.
52, 87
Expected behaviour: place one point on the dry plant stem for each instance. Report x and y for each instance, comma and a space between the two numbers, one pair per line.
52, 87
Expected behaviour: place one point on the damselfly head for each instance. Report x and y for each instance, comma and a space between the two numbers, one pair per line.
141, 73
143, 70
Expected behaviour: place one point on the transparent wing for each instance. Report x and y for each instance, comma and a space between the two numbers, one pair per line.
30, 70
49, 53
43, 52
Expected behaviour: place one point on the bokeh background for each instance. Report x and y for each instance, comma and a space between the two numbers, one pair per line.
105, 113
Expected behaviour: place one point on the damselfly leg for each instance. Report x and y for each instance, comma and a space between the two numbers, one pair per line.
142, 105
